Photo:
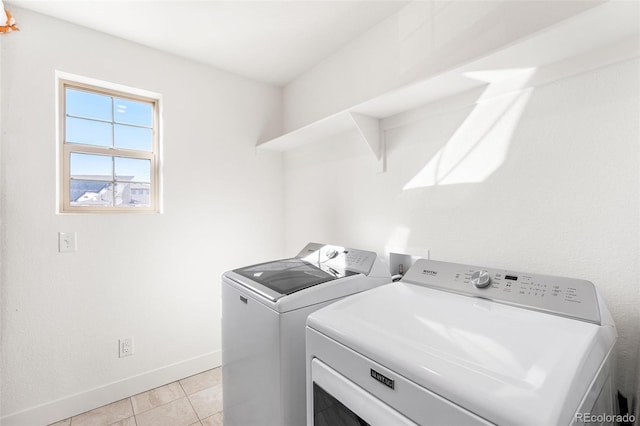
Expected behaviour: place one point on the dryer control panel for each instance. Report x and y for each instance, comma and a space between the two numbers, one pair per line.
571, 298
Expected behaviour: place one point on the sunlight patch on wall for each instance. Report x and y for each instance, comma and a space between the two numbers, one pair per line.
480, 145
398, 240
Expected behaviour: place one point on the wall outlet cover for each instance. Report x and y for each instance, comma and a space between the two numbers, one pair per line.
125, 346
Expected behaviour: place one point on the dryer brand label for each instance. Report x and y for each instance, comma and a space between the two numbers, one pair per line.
382, 378
428, 272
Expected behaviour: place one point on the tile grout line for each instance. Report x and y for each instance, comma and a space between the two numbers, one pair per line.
135, 420
189, 399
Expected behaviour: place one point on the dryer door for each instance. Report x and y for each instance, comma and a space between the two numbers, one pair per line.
336, 400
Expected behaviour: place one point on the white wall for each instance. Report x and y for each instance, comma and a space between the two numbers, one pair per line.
154, 276
421, 40
1, 226
636, 406
544, 180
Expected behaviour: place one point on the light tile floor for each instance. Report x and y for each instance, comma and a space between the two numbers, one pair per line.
195, 400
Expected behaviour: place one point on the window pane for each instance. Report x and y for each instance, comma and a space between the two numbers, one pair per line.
133, 169
87, 166
91, 193
133, 194
88, 132
90, 105
133, 112
129, 137
108, 149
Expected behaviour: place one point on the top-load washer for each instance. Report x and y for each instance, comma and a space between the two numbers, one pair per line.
456, 344
264, 310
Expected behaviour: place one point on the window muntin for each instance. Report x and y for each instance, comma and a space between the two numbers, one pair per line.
109, 150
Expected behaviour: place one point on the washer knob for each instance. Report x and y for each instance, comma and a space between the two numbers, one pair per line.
480, 279
332, 253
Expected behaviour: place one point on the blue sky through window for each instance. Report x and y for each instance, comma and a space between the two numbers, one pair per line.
133, 169
133, 112
107, 121
88, 132
130, 137
96, 166
90, 105
107, 108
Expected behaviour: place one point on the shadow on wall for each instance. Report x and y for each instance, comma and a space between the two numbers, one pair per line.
479, 146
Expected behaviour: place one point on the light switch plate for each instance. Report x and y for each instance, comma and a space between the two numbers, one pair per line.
66, 242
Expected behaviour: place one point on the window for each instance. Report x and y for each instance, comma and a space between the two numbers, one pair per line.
109, 150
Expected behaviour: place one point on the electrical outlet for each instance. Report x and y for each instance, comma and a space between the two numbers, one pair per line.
401, 261
125, 346
66, 242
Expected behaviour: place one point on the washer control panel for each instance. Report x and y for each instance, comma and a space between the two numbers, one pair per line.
341, 258
572, 298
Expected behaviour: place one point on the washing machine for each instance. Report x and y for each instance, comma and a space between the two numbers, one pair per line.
264, 310
455, 344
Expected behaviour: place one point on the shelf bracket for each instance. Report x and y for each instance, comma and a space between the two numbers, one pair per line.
371, 132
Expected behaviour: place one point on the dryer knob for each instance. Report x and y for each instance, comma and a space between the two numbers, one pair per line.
480, 279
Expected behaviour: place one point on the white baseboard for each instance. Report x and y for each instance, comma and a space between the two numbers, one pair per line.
72, 405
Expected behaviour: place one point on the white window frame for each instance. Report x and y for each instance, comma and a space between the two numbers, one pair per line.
65, 150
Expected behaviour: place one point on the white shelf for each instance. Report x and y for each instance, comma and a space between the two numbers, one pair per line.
368, 129
590, 31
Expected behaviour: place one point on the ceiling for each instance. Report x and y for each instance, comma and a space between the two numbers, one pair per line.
269, 41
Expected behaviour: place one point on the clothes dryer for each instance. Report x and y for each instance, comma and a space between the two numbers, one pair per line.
264, 310
463, 345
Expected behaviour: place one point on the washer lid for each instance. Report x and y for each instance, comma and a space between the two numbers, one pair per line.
506, 364
290, 275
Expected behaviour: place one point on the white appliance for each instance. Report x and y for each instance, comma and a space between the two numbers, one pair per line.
455, 344
264, 310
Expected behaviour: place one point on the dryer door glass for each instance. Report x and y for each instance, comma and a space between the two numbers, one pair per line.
328, 411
